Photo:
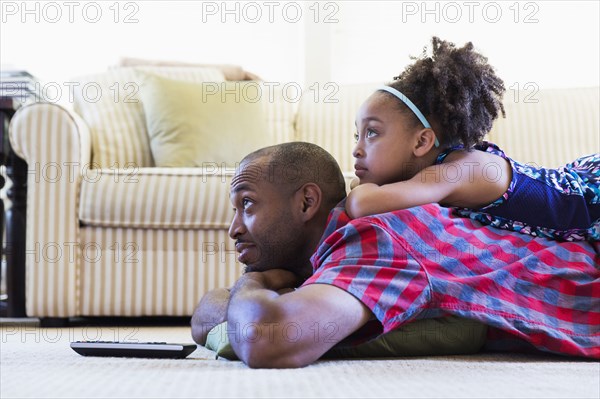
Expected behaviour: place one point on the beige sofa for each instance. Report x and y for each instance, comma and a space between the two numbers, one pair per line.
110, 234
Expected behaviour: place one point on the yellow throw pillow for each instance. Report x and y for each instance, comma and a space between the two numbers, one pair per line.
202, 124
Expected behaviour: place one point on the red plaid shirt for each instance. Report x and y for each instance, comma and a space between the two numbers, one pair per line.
423, 263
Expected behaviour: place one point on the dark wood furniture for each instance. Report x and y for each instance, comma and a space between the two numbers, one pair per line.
16, 171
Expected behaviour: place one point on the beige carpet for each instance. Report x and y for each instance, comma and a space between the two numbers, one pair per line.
38, 363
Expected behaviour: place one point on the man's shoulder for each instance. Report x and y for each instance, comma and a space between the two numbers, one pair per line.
342, 231
390, 236
418, 226
394, 221
340, 223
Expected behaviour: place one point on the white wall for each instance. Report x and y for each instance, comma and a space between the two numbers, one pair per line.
551, 43
167, 30
364, 41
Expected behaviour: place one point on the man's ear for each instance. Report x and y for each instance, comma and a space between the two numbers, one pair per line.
309, 197
425, 141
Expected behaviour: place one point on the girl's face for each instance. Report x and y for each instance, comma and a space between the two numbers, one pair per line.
384, 142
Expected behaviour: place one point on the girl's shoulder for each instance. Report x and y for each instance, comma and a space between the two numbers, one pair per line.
490, 148
485, 147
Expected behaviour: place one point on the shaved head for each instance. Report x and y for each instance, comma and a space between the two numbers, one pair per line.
288, 166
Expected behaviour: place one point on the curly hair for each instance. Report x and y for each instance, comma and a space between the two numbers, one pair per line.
457, 88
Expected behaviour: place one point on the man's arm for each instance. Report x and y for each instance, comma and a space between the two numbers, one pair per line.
211, 310
270, 330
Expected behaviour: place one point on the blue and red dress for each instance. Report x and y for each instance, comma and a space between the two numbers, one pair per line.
562, 204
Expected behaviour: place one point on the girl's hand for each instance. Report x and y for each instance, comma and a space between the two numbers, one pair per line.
355, 182
359, 198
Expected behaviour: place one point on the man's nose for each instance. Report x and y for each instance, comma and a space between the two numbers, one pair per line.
236, 228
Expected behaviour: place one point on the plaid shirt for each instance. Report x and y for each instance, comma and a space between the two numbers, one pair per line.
424, 262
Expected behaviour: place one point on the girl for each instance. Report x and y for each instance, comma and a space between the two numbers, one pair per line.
419, 141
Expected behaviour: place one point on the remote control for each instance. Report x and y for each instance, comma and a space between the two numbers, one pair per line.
133, 349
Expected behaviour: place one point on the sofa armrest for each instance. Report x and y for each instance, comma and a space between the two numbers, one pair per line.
38, 125
56, 145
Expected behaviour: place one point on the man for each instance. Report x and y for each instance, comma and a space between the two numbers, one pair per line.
394, 268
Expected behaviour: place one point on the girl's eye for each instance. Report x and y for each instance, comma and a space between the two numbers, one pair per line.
356, 137
371, 133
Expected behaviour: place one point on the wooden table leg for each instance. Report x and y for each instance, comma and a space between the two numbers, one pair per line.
16, 171
15, 236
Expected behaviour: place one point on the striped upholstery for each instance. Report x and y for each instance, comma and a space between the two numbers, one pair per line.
56, 146
331, 124
188, 198
280, 112
101, 244
562, 126
109, 103
116, 118
138, 272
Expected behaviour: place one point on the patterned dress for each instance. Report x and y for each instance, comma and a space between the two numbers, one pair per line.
424, 262
562, 204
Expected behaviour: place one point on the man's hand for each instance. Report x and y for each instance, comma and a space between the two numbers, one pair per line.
211, 310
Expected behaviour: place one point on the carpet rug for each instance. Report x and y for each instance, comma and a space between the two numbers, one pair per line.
38, 363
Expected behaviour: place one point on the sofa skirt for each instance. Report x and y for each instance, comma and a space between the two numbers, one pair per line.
130, 272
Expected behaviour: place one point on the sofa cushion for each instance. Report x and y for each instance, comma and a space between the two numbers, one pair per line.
157, 197
231, 72
190, 124
110, 104
549, 127
330, 121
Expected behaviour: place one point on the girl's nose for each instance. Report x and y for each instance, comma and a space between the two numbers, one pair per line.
358, 151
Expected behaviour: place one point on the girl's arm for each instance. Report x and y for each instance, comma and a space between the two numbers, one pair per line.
467, 179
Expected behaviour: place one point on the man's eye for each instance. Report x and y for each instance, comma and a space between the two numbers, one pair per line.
371, 133
245, 203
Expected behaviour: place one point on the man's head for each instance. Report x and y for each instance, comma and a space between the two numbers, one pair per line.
282, 196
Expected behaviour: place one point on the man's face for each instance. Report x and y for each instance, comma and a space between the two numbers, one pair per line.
266, 231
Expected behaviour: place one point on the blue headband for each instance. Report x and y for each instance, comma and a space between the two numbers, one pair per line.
412, 107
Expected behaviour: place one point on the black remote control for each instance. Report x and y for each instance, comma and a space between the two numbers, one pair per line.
133, 349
